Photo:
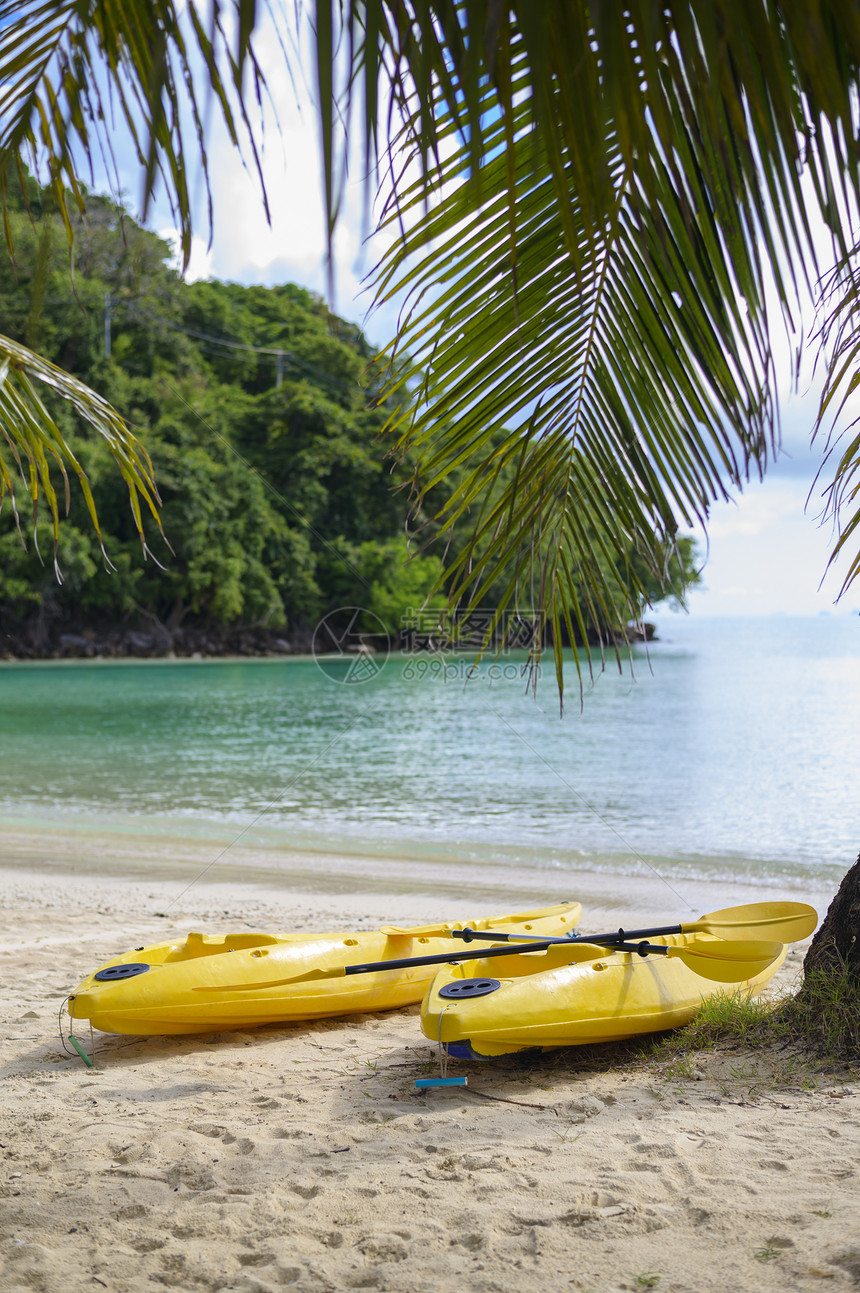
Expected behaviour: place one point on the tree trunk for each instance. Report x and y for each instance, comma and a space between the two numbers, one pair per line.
836, 945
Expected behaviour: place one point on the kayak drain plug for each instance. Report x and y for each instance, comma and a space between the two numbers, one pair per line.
461, 988
112, 972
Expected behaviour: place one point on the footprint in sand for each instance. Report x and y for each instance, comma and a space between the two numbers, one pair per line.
383, 1248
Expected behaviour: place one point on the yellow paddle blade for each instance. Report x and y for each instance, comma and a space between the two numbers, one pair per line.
729, 962
786, 922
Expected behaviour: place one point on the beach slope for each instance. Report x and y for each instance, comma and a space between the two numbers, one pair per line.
304, 1157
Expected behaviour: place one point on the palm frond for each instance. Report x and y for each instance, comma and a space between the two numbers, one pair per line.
73, 72
765, 89
603, 196
33, 449
840, 335
633, 384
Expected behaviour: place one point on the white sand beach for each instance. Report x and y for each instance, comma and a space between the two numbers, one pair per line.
303, 1156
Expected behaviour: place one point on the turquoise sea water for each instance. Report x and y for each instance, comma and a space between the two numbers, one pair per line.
733, 751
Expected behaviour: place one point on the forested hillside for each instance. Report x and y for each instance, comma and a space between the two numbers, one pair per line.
261, 411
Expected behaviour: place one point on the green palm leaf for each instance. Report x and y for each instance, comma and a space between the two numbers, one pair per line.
640, 391
841, 334
615, 191
73, 72
31, 442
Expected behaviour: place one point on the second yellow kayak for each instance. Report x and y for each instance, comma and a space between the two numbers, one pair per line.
568, 995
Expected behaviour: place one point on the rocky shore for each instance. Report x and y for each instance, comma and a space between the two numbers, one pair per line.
71, 640
65, 639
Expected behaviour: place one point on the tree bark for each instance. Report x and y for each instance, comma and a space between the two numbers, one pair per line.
836, 944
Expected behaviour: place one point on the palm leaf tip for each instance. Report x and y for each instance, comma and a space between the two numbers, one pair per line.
34, 447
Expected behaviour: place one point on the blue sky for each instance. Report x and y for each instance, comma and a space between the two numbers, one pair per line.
768, 548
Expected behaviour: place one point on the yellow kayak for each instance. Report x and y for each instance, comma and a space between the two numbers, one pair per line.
571, 995
212, 983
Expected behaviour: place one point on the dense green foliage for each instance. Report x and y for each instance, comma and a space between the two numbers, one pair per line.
278, 501
261, 411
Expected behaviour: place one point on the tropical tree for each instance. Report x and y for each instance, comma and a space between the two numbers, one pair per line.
599, 200
262, 421
595, 199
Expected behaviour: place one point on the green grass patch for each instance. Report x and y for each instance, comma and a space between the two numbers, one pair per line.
735, 1018
822, 1021
824, 1017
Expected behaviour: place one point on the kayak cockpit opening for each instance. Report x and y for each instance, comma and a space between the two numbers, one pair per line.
197, 945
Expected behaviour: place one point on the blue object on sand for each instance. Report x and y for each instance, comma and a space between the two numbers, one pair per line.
425, 1082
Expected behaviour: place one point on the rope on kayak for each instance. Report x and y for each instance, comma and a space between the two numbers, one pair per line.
78, 1050
60, 1025
443, 1050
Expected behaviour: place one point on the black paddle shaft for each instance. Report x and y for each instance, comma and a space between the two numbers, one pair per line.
621, 938
444, 958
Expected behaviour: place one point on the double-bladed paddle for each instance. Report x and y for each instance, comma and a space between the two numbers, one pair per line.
732, 962
783, 922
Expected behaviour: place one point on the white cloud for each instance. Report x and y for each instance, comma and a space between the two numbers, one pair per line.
768, 556
200, 264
